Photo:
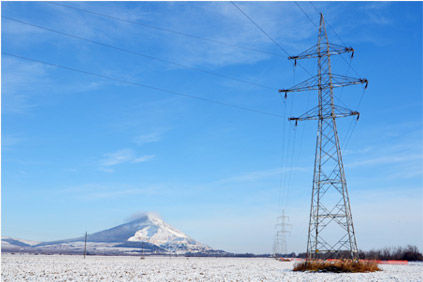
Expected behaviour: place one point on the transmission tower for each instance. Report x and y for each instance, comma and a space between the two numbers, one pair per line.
331, 230
279, 246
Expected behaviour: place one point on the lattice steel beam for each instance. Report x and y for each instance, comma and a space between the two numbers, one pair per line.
331, 229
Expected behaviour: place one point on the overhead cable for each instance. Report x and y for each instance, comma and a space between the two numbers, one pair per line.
326, 22
349, 64
305, 14
143, 85
142, 55
265, 33
164, 29
339, 37
353, 123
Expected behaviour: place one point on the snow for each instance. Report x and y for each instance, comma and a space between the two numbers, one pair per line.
164, 235
28, 242
160, 233
24, 267
148, 228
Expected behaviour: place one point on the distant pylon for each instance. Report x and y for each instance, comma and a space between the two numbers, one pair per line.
331, 230
85, 245
279, 246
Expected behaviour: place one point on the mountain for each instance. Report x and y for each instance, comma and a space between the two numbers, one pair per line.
151, 229
147, 234
15, 244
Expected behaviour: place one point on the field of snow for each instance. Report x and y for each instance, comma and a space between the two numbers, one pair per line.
25, 267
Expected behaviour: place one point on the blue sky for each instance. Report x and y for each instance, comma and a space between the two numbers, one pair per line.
81, 152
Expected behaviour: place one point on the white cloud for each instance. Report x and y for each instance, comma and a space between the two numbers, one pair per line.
105, 191
18, 81
143, 158
92, 26
15, 28
121, 157
395, 149
278, 19
260, 174
147, 138
115, 193
24, 82
365, 150
138, 215
106, 169
229, 26
118, 157
386, 160
151, 137
8, 141
376, 13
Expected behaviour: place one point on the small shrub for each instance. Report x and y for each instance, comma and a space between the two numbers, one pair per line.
337, 266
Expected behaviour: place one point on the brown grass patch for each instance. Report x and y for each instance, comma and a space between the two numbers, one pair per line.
337, 266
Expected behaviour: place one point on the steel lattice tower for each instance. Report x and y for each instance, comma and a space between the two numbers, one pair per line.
331, 229
279, 246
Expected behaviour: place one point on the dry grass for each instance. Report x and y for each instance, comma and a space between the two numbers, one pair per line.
337, 266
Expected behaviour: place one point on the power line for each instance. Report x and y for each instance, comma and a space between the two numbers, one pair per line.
286, 178
262, 30
330, 205
349, 64
305, 14
144, 85
164, 29
311, 3
286, 183
291, 164
140, 54
265, 33
286, 52
280, 202
348, 133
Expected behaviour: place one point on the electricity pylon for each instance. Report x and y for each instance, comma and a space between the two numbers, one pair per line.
331, 230
279, 246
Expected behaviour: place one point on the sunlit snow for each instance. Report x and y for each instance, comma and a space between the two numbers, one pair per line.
111, 268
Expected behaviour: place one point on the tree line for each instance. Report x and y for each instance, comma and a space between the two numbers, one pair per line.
409, 253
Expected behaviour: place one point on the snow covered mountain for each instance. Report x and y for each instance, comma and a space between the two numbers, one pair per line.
146, 234
159, 233
150, 228
11, 243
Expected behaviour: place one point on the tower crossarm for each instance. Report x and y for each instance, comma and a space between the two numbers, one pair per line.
283, 231
283, 224
313, 83
313, 52
331, 230
314, 114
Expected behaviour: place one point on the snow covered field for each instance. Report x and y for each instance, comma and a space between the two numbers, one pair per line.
97, 268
